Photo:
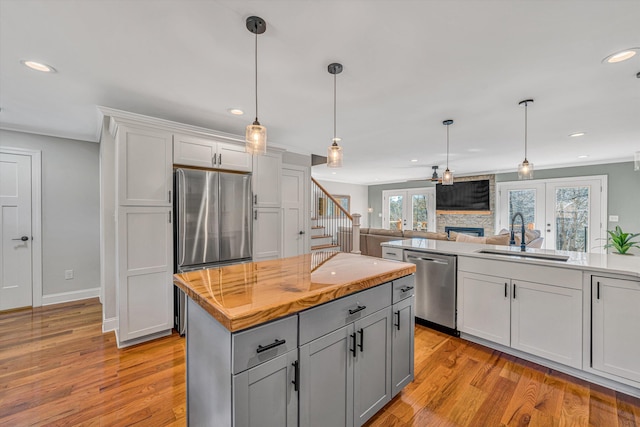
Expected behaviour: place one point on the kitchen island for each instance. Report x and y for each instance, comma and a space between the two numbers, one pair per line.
317, 339
571, 311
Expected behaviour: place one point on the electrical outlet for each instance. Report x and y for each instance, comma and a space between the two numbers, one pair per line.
68, 274
613, 218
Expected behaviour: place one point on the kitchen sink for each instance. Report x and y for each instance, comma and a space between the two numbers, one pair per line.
550, 257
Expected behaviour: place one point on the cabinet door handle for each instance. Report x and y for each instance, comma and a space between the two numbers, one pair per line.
406, 289
514, 291
598, 290
505, 289
255, 214
397, 325
214, 159
361, 345
220, 159
274, 344
255, 199
357, 309
169, 196
353, 344
169, 217
296, 375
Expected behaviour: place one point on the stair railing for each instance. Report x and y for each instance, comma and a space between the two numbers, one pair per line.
337, 223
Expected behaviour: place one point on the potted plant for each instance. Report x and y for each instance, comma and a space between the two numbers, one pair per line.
621, 241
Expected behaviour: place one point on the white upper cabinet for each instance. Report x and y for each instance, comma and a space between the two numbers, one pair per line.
144, 167
267, 180
209, 153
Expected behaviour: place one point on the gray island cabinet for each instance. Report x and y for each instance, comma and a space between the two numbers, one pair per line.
331, 362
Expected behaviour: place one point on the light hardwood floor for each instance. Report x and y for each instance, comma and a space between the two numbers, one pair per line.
58, 369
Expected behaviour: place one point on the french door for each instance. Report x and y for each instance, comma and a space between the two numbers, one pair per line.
569, 212
413, 209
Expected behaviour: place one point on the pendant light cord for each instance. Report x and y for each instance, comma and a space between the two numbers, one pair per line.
256, 66
447, 147
525, 130
334, 109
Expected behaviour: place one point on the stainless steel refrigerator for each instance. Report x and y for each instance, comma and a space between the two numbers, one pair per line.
213, 223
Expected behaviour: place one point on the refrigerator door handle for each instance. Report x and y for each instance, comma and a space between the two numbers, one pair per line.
181, 215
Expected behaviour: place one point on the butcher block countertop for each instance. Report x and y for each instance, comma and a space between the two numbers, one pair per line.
240, 296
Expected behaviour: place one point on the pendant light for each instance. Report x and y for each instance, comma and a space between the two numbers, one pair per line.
256, 136
447, 176
434, 176
525, 169
334, 153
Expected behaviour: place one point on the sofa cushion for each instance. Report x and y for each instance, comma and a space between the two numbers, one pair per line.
465, 238
498, 239
425, 235
373, 244
529, 235
385, 232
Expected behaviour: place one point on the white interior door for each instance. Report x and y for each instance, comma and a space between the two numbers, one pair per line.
16, 285
527, 198
573, 220
412, 209
294, 229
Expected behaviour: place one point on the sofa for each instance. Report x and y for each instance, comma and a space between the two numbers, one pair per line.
371, 238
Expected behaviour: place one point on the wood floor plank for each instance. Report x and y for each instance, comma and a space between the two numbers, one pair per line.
57, 368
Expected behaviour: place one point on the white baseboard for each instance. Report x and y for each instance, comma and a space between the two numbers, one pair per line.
70, 296
110, 324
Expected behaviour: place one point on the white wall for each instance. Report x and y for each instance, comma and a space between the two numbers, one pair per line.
70, 212
359, 197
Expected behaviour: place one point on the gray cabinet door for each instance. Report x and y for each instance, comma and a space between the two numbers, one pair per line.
266, 396
372, 370
402, 342
326, 383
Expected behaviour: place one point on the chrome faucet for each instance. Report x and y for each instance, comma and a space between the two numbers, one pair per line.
523, 247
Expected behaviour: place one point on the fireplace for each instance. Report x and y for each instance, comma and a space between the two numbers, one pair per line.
473, 231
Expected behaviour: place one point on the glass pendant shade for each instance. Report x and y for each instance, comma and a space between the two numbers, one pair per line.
334, 156
525, 170
256, 139
447, 177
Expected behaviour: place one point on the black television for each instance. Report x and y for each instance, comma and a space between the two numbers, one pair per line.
463, 196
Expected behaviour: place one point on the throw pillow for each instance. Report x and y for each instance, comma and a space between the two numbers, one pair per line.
465, 238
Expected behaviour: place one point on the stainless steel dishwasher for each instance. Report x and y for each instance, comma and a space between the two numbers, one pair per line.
435, 289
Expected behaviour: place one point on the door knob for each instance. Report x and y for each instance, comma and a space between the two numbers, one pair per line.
23, 238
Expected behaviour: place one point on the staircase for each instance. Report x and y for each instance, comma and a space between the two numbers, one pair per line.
320, 240
331, 225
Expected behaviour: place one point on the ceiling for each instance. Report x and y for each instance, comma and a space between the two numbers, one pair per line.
408, 65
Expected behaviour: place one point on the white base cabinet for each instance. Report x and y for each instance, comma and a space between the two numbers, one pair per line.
484, 307
615, 338
543, 319
145, 279
267, 240
547, 321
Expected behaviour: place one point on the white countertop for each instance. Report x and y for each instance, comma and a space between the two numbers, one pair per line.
605, 263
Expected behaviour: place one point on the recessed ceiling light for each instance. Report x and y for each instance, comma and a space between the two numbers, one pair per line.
573, 135
621, 56
584, 156
38, 66
236, 111
414, 160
